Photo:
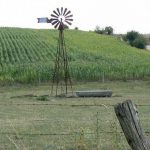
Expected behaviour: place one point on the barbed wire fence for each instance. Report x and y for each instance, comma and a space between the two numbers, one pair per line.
80, 139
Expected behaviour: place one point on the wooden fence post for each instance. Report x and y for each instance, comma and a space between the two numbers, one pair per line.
127, 115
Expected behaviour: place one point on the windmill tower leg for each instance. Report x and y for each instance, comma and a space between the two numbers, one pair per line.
61, 70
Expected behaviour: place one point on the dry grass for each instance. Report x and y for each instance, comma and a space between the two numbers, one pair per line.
28, 123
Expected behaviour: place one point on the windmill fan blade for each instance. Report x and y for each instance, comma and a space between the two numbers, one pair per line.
68, 19
68, 22
65, 11
55, 22
54, 16
61, 10
56, 25
53, 19
69, 16
55, 13
68, 13
58, 11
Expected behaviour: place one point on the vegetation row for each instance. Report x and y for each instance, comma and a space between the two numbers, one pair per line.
28, 55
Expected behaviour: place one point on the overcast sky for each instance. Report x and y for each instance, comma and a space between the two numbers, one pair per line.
122, 15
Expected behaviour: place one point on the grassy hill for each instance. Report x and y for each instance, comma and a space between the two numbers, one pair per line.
27, 55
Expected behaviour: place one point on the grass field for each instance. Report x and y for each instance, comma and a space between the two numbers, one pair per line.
28, 123
27, 56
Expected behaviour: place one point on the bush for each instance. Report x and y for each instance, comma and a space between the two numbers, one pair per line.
76, 28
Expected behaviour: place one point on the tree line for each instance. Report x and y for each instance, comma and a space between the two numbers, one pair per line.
108, 30
133, 38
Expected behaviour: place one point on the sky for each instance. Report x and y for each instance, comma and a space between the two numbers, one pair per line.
122, 15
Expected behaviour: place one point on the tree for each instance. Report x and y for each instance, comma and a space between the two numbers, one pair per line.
131, 36
135, 39
109, 30
99, 30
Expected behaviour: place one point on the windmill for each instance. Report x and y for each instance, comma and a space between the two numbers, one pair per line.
60, 19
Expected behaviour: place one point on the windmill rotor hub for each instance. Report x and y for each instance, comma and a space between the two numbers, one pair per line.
61, 18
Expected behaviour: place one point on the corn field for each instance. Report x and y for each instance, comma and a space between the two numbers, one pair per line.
28, 55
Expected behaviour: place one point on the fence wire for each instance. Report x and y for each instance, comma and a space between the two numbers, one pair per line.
93, 140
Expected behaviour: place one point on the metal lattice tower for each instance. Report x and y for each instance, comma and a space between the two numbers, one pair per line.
61, 75
60, 19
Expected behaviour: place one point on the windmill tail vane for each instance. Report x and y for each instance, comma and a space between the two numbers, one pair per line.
44, 20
